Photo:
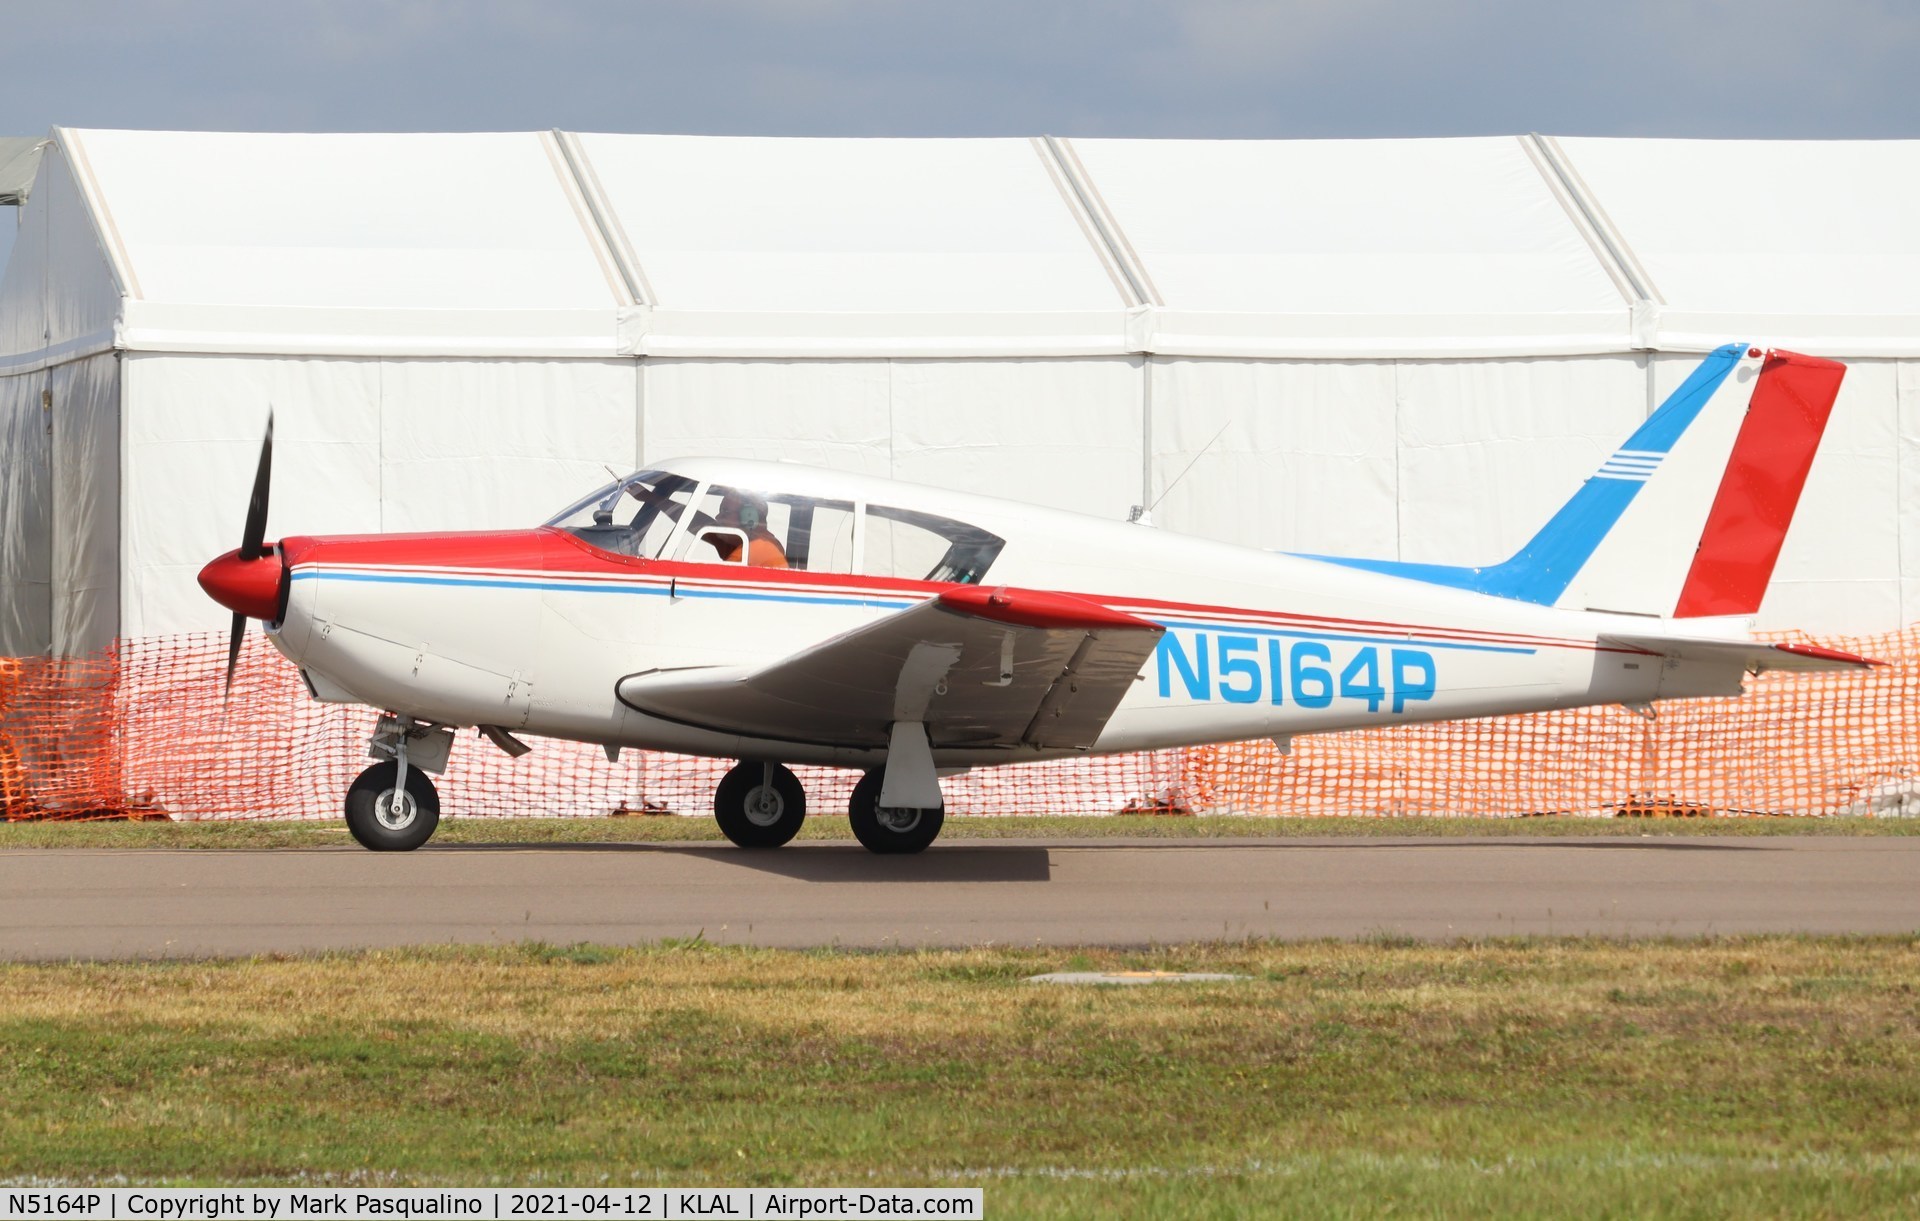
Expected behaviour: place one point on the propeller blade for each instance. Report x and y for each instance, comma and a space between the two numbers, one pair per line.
233, 648
250, 542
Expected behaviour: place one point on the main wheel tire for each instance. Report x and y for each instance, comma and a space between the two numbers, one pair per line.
890, 831
759, 807
378, 823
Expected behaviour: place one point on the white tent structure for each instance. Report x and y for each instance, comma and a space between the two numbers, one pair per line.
1400, 348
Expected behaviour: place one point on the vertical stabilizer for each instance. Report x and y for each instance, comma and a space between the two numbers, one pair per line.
1579, 558
1641, 535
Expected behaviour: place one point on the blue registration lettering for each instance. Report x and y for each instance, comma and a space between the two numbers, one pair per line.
1233, 666
1273, 667
1361, 679
1413, 677
1193, 673
1312, 684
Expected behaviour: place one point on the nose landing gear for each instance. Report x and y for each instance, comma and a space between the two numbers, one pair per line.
389, 814
393, 806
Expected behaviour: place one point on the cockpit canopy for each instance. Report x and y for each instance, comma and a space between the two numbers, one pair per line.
659, 515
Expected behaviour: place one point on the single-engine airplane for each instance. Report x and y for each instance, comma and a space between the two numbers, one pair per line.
779, 614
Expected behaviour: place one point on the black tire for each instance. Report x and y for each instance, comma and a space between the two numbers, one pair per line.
755, 814
373, 827
890, 832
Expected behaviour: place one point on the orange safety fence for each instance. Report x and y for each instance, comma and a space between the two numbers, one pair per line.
143, 729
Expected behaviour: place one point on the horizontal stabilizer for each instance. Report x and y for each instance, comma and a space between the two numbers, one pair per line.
1753, 656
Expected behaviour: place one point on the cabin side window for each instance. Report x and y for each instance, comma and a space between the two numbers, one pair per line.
925, 547
732, 525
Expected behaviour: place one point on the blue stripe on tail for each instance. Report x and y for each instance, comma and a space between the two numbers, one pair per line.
1541, 571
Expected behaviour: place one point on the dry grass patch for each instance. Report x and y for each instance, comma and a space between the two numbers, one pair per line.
1721, 1077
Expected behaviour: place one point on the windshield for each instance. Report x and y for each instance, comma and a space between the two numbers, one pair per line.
632, 516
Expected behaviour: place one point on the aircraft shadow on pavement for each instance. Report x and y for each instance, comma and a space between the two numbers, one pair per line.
847, 863
836, 862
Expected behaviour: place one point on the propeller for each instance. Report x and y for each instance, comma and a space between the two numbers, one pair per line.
251, 542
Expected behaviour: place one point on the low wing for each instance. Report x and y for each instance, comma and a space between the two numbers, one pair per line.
979, 667
1753, 656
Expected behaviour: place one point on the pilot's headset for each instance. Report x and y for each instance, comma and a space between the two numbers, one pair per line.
753, 511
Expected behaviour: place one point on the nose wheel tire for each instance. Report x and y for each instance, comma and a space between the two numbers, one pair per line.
760, 805
890, 831
387, 820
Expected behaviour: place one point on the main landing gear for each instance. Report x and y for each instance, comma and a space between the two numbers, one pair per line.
761, 805
890, 830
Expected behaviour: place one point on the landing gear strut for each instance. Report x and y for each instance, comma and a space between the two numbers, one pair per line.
890, 830
760, 805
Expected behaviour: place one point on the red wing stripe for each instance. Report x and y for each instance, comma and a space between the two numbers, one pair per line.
1761, 486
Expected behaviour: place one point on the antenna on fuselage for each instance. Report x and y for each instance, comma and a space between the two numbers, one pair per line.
1143, 514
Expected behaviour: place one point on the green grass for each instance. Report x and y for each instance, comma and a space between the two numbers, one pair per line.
1756, 1076
665, 829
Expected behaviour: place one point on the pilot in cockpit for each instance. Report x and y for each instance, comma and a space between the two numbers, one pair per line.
747, 513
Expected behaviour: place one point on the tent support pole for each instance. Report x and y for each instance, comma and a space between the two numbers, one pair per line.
1146, 429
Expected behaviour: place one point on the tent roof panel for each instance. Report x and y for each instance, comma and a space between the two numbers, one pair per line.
1459, 227
447, 221
849, 226
19, 159
1791, 231
598, 245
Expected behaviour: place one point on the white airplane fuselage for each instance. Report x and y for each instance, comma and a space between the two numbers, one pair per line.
532, 630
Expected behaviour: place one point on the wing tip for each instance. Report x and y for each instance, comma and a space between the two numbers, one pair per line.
1816, 653
1037, 608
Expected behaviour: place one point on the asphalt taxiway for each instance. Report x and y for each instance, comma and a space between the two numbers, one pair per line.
102, 904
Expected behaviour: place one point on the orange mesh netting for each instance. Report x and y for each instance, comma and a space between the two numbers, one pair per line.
143, 729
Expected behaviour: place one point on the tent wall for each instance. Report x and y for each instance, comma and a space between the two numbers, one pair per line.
1841, 568
59, 397
361, 445
61, 296
1906, 460
1064, 433
84, 408
26, 518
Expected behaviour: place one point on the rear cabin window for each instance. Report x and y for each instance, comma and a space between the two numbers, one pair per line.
924, 547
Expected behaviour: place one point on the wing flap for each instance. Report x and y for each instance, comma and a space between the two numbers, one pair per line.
979, 667
1753, 656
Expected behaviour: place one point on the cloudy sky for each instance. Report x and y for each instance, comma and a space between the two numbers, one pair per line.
1195, 68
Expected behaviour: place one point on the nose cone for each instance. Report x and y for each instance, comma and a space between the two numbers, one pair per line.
246, 587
